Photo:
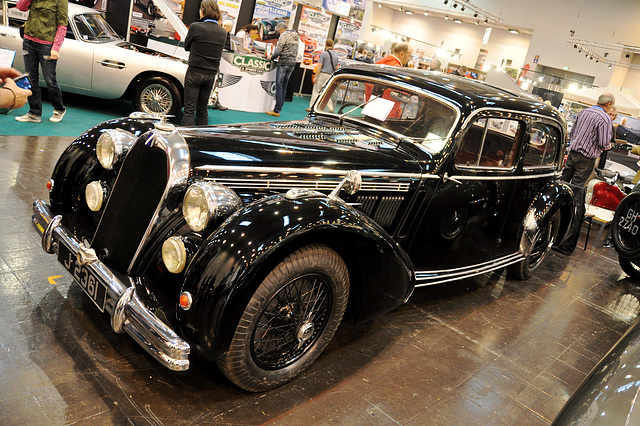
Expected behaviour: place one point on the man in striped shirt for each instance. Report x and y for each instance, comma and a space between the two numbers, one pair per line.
591, 134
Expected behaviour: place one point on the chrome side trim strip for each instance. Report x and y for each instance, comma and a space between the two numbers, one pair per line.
425, 278
526, 177
128, 311
306, 171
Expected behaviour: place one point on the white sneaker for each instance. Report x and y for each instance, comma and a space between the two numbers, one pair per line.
28, 118
57, 116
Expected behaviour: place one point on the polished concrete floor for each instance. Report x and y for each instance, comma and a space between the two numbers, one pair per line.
484, 351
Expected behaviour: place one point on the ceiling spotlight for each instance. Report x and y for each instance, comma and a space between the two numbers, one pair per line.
486, 21
446, 1
609, 66
408, 12
446, 17
597, 61
401, 8
514, 31
575, 46
462, 9
477, 22
455, 5
606, 54
457, 21
572, 32
590, 57
426, 13
627, 56
579, 50
380, 5
475, 15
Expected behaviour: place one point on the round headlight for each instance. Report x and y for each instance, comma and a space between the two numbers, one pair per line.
205, 201
94, 195
174, 255
112, 146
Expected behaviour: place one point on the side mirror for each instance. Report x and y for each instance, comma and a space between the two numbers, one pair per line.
351, 183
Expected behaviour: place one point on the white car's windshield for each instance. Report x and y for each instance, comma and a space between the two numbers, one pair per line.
92, 27
418, 116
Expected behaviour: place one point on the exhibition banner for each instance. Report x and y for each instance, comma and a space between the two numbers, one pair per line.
229, 9
347, 33
313, 30
356, 11
279, 10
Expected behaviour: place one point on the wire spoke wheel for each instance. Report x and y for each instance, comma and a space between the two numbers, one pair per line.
541, 244
156, 99
291, 322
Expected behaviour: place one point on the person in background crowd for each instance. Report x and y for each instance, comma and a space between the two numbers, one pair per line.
12, 96
204, 42
296, 74
435, 65
286, 52
44, 33
399, 56
227, 26
248, 34
590, 136
613, 113
462, 71
368, 57
359, 54
327, 64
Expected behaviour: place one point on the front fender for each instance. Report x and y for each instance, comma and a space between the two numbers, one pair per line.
553, 197
234, 260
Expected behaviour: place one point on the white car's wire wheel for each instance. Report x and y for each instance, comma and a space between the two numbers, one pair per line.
158, 96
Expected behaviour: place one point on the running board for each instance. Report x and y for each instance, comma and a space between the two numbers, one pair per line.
425, 278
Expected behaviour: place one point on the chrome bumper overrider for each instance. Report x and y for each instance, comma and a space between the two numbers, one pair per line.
128, 312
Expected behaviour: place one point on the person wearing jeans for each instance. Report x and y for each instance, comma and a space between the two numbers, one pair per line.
44, 33
286, 51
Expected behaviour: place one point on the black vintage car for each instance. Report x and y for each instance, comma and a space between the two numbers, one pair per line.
249, 243
625, 233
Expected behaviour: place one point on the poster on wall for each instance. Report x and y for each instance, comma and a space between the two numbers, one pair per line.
100, 5
313, 30
268, 13
229, 9
356, 7
346, 39
148, 20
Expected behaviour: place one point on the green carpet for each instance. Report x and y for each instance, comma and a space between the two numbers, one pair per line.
84, 112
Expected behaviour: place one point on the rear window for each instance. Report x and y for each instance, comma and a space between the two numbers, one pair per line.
542, 146
490, 142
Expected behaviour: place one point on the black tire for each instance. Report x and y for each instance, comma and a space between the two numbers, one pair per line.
629, 268
625, 227
281, 333
543, 240
158, 96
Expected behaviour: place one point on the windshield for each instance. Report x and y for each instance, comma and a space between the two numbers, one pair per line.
92, 27
417, 115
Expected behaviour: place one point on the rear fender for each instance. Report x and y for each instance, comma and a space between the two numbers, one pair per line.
553, 197
234, 260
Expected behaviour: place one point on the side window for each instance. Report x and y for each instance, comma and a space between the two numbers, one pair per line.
490, 142
542, 147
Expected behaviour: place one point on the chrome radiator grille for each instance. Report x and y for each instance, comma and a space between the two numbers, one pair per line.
131, 206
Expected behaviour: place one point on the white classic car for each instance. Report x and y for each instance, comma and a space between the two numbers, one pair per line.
95, 61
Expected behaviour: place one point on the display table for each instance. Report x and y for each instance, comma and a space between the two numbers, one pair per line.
247, 83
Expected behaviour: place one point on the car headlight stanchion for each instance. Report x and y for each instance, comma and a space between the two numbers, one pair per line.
206, 201
112, 146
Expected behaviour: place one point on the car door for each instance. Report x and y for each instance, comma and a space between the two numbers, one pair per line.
464, 221
74, 70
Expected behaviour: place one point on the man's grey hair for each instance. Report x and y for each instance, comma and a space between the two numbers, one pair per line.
281, 26
605, 98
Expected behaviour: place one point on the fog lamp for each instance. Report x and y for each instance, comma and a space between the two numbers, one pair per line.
174, 255
205, 201
94, 194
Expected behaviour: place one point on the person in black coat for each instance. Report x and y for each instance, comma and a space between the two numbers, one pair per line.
204, 42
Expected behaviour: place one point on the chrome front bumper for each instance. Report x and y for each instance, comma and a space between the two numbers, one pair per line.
128, 312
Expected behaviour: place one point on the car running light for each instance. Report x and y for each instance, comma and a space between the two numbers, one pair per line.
112, 146
174, 255
94, 194
206, 201
185, 300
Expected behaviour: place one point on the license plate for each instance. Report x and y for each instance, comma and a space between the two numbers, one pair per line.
90, 283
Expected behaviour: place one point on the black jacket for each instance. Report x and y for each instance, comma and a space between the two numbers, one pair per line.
204, 42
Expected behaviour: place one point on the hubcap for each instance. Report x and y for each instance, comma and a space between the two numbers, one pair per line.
156, 99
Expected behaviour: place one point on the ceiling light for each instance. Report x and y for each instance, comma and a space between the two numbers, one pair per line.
408, 12
579, 50
462, 9
446, 17
486, 21
401, 8
475, 15
609, 66
446, 1
457, 21
627, 56
575, 46
514, 31
455, 5
426, 13
380, 5
477, 22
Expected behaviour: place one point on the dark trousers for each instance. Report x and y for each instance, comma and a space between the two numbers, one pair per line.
577, 169
283, 73
197, 89
569, 245
34, 57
